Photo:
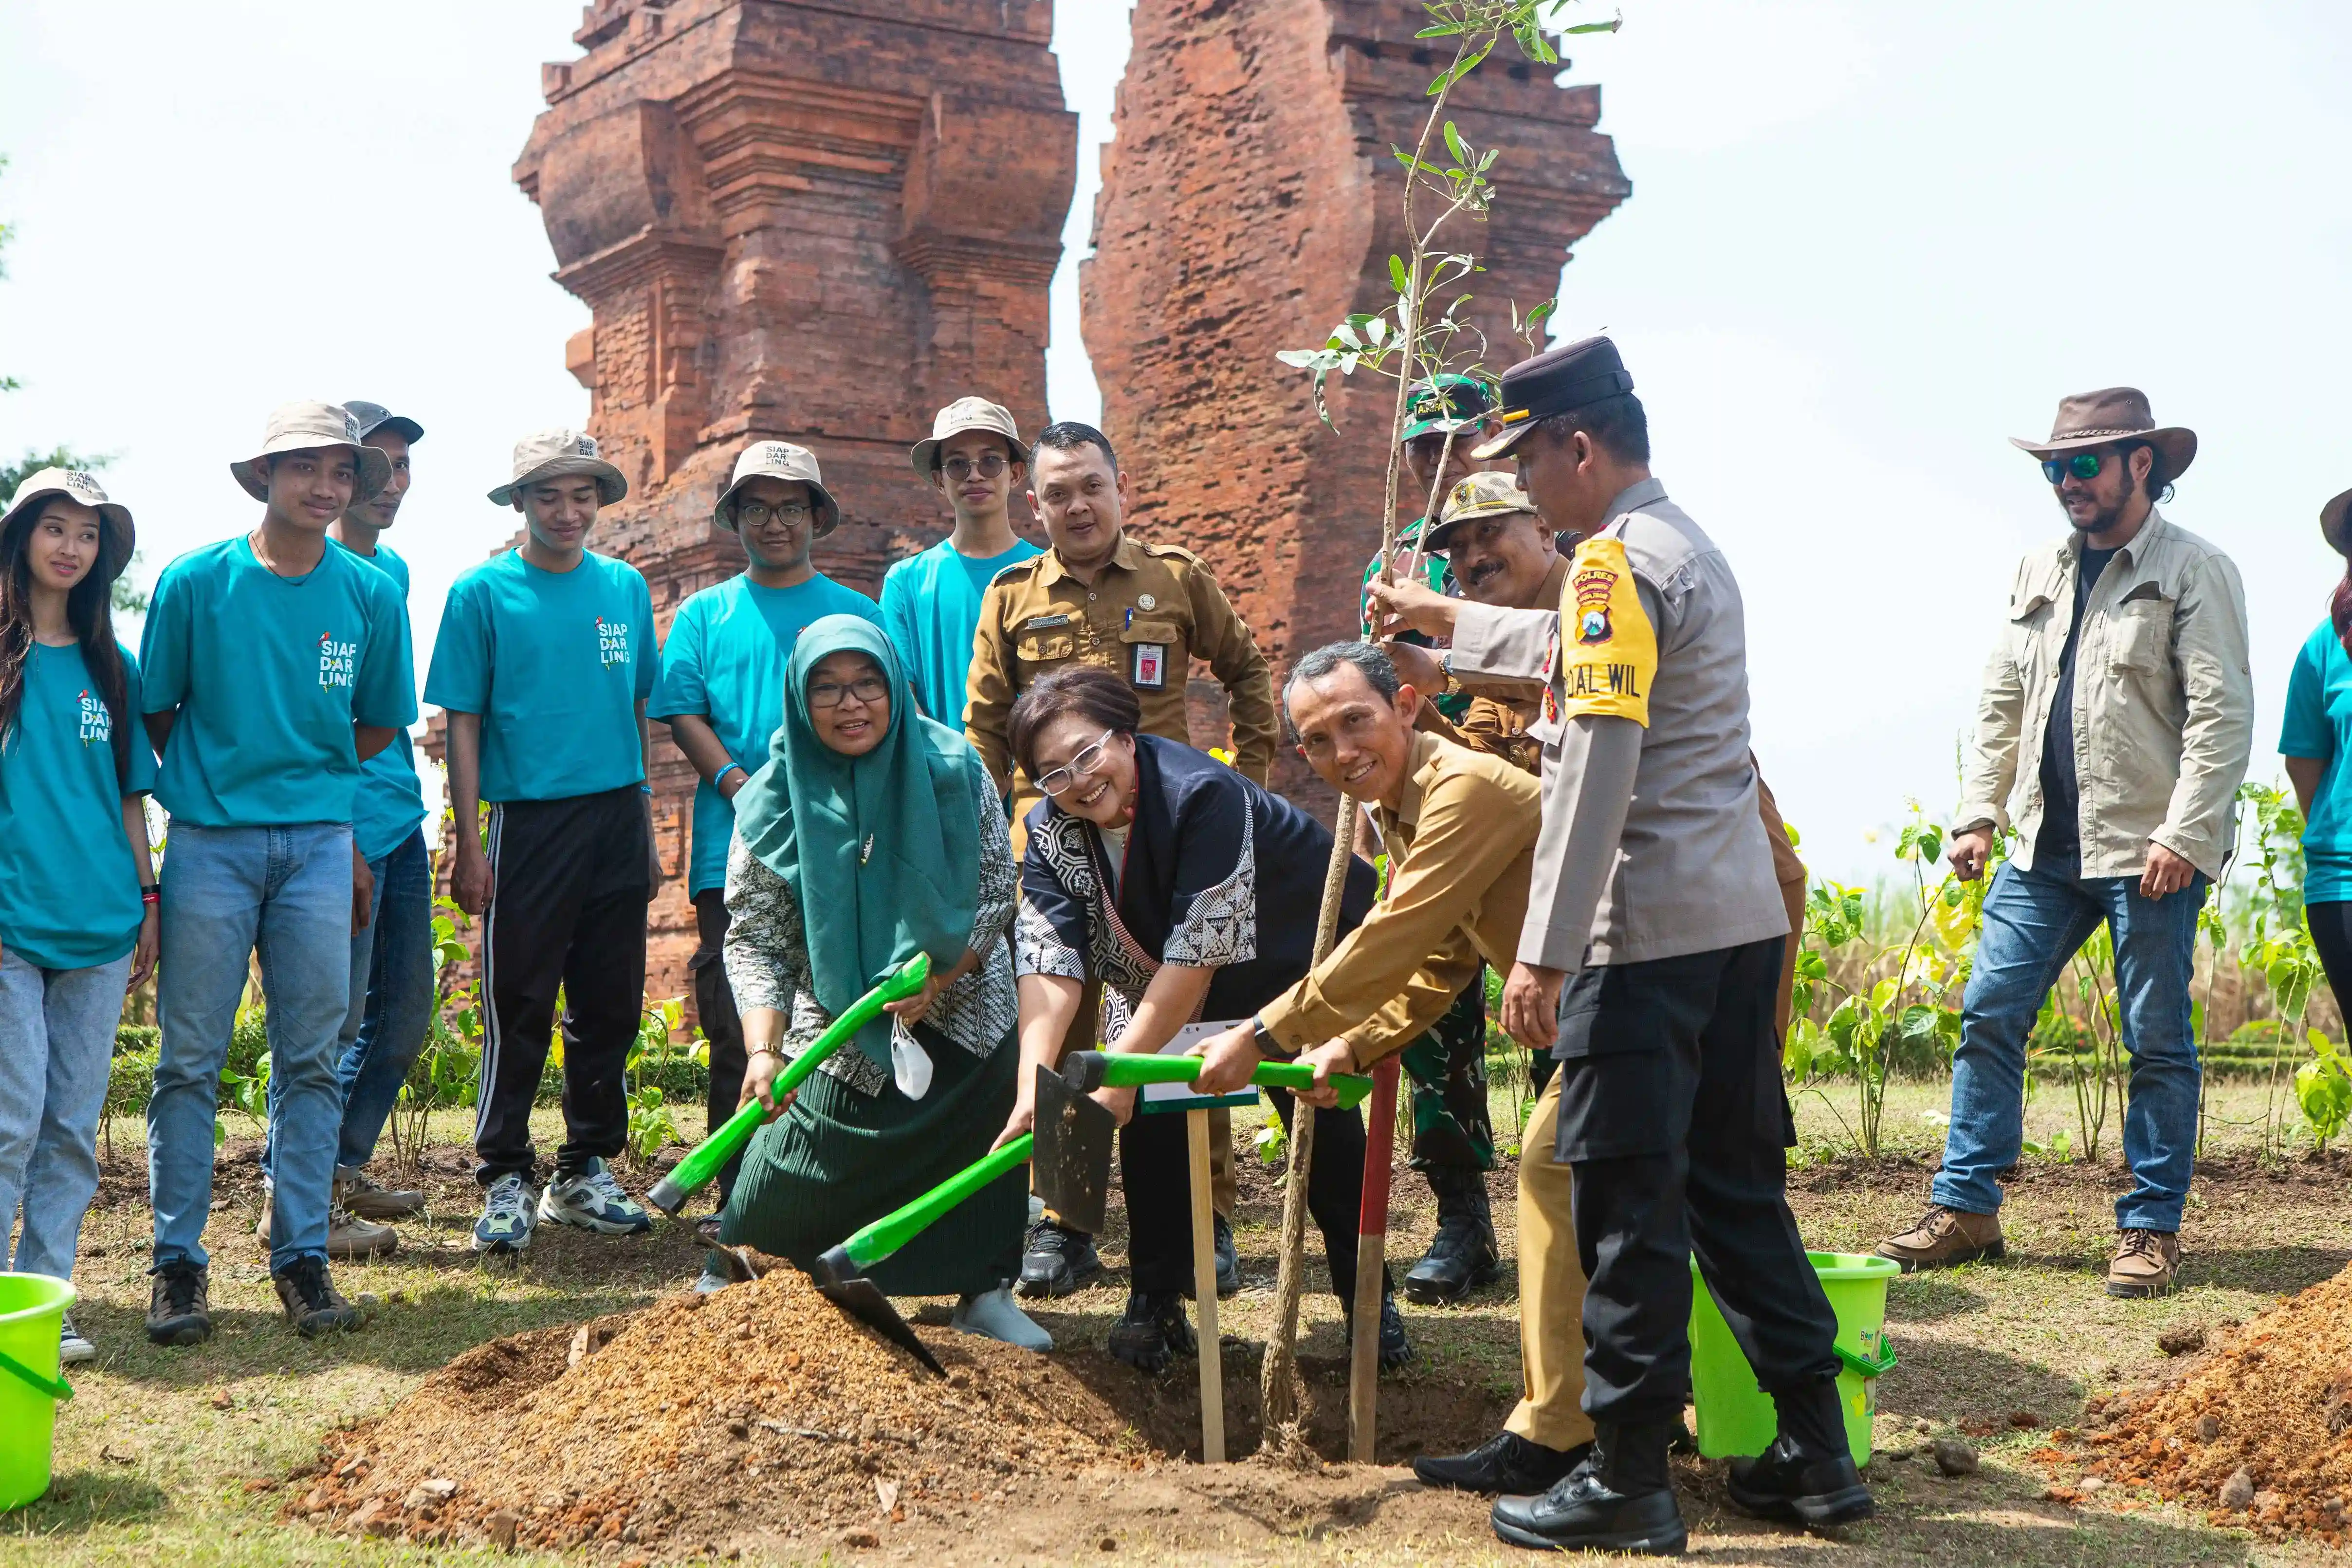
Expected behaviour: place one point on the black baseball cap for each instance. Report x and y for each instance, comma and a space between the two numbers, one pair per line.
374, 416
1573, 376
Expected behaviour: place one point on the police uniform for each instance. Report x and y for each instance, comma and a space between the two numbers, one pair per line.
1653, 888
1152, 610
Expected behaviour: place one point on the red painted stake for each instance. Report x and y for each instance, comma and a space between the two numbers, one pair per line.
1372, 1261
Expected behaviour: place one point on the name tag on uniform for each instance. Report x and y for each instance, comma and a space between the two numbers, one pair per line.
1151, 666
1042, 623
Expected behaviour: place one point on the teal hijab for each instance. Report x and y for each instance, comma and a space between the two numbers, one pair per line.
882, 850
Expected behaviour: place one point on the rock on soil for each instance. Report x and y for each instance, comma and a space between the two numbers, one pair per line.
764, 1412
2258, 1430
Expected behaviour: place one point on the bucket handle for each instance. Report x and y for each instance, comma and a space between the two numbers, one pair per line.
54, 1387
1863, 1367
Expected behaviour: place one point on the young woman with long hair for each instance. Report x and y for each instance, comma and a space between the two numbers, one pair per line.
79, 925
2313, 743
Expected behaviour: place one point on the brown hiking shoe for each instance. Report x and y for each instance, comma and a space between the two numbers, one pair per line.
349, 1239
1943, 1238
365, 1200
2147, 1263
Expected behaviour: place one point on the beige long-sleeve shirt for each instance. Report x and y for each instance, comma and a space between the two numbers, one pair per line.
1653, 844
1461, 845
2164, 702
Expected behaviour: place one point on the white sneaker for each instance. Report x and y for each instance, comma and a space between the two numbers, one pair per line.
993, 1315
72, 1349
506, 1222
593, 1201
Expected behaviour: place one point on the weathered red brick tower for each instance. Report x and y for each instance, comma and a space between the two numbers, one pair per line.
1249, 202
813, 221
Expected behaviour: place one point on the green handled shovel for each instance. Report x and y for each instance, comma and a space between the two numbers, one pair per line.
695, 1171
1091, 1070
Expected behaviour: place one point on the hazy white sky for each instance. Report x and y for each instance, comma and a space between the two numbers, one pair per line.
1867, 242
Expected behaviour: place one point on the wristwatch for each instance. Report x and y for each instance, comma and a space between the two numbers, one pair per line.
1267, 1045
1453, 682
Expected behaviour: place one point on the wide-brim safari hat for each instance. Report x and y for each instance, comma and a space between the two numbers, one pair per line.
1476, 496
967, 414
558, 454
779, 460
116, 537
310, 428
2331, 523
2110, 415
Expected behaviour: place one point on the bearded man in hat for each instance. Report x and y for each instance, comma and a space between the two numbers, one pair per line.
2112, 735
274, 665
544, 665
722, 694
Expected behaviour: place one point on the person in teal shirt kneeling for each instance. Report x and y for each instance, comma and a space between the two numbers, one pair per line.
545, 663
78, 921
722, 694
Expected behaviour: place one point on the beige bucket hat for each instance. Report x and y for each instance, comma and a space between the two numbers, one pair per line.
2115, 413
116, 538
968, 414
305, 427
779, 460
555, 454
1475, 496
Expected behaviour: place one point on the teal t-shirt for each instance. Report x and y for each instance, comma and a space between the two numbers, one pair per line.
555, 663
69, 880
724, 660
269, 674
930, 607
2319, 724
391, 800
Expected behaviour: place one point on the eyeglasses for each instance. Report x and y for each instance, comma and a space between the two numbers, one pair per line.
2081, 465
867, 689
791, 514
988, 465
1086, 764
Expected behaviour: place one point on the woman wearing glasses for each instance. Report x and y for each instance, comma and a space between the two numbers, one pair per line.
1191, 894
874, 834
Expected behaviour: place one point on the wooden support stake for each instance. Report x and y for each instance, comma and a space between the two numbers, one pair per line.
1205, 1291
1372, 1264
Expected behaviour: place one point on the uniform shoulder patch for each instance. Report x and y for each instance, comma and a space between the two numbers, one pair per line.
1608, 648
1170, 552
1018, 569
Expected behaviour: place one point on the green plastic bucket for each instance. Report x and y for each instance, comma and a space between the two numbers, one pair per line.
32, 1312
1735, 1417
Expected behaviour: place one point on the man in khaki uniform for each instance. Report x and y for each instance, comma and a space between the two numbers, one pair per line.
1459, 827
1504, 553
1145, 611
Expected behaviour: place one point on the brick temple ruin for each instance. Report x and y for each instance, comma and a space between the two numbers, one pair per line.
819, 220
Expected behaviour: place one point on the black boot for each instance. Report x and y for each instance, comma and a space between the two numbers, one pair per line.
1618, 1500
1229, 1265
1808, 1474
1395, 1349
1506, 1464
1461, 1256
1152, 1331
1056, 1260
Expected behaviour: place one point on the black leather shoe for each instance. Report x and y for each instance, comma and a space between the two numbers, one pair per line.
1581, 1513
1229, 1267
1784, 1483
1461, 1256
1152, 1331
1506, 1464
1057, 1261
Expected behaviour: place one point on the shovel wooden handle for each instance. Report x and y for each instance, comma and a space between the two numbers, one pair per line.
1091, 1070
695, 1171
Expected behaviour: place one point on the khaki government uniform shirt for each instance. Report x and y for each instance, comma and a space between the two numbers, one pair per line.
1152, 611
1461, 845
2164, 702
1653, 844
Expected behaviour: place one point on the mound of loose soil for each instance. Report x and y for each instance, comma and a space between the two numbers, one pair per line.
764, 1410
2258, 1430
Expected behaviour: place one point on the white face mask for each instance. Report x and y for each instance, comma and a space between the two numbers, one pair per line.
910, 1065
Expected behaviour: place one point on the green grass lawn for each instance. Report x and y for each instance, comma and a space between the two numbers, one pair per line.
160, 1453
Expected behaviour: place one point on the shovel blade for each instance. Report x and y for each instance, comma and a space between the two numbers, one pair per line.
1070, 1166
864, 1300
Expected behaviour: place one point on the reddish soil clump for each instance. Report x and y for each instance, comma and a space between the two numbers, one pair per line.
2258, 1430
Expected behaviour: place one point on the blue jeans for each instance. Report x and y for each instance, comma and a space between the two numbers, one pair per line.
284, 893
391, 997
2034, 922
57, 1046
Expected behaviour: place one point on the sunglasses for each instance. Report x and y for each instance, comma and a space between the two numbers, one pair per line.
2081, 465
962, 469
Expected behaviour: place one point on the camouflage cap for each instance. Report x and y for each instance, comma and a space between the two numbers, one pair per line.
1475, 496
1446, 402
